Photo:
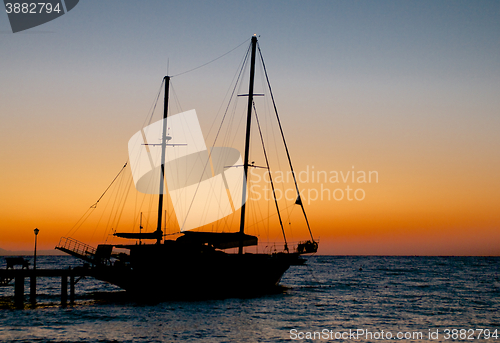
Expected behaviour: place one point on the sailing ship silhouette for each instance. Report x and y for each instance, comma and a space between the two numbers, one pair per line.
197, 263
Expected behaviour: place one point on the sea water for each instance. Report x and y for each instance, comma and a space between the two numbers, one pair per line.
331, 298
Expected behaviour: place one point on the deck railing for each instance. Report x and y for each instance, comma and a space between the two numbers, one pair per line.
76, 246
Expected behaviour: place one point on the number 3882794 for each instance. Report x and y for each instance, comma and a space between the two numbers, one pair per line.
32, 7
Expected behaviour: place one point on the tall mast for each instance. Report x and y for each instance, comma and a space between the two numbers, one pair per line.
247, 141
159, 232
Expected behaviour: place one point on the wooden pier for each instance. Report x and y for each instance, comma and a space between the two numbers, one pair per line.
19, 276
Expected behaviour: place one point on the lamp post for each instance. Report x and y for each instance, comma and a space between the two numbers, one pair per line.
33, 276
34, 258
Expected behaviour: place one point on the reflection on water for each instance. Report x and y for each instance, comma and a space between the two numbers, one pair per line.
396, 294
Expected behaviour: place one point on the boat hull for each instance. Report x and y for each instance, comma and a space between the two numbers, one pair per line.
162, 274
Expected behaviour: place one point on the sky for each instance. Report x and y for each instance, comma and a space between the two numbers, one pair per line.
407, 90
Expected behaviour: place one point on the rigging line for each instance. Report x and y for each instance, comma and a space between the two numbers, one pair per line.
257, 209
284, 142
95, 204
121, 201
138, 199
80, 222
104, 212
121, 188
237, 74
264, 219
151, 203
228, 139
137, 194
153, 106
141, 206
270, 125
267, 119
290, 222
215, 140
188, 71
112, 213
270, 177
176, 98
232, 95
125, 196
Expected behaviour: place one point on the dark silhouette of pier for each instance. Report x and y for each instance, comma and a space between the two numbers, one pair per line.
19, 276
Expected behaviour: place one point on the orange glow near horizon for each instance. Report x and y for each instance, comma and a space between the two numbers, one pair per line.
416, 206
386, 222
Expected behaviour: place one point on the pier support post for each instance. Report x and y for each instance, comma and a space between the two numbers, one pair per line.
33, 289
72, 289
19, 291
64, 290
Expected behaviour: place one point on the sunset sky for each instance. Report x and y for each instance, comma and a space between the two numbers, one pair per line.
407, 89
